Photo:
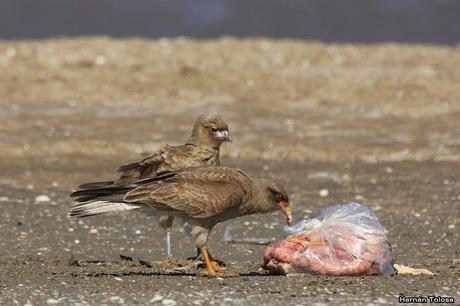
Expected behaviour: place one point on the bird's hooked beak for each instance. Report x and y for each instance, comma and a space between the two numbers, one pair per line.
287, 210
224, 136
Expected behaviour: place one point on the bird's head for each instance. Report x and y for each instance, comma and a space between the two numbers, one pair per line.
211, 129
275, 197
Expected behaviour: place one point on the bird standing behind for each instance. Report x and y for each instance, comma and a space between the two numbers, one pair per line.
202, 149
202, 196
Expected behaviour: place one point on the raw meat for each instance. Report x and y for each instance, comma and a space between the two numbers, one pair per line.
342, 240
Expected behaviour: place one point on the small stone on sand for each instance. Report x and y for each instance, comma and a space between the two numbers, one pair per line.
42, 198
169, 302
52, 301
156, 298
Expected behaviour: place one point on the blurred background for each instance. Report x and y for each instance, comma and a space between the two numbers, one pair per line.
339, 101
421, 21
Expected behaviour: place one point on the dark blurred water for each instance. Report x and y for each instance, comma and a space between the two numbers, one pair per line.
427, 21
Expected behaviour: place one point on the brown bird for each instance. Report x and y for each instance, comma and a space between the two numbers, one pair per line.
202, 196
202, 149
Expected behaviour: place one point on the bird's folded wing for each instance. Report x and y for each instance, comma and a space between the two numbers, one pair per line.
139, 170
169, 158
200, 193
177, 158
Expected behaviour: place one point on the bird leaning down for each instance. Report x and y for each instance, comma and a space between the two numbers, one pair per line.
202, 149
202, 196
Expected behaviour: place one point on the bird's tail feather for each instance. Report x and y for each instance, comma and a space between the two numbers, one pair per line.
129, 167
111, 190
96, 185
86, 209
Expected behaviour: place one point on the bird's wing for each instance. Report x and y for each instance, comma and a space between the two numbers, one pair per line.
138, 170
168, 159
180, 157
199, 192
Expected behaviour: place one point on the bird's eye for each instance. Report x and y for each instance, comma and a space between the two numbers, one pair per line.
213, 129
279, 197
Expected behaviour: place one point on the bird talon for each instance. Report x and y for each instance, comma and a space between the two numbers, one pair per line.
214, 270
217, 268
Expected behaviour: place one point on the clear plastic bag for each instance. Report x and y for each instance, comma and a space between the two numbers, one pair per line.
342, 240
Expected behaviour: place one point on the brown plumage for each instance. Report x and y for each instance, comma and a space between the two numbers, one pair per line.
202, 196
202, 149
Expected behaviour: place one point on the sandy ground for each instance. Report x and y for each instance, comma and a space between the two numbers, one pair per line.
376, 124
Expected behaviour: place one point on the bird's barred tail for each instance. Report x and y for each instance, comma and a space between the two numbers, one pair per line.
86, 209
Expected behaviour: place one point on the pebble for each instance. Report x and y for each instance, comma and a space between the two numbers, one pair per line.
4, 199
114, 298
93, 231
323, 193
52, 301
168, 302
451, 226
156, 298
42, 198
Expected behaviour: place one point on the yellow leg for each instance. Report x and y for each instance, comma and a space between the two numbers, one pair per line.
215, 264
212, 271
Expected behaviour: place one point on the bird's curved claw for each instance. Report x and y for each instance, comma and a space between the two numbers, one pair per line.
217, 268
213, 267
